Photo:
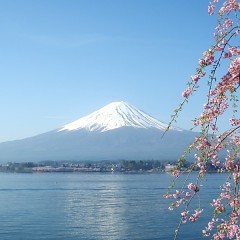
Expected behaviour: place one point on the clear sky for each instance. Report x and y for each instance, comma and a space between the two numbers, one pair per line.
63, 59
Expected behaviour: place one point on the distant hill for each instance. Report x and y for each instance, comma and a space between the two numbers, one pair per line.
116, 131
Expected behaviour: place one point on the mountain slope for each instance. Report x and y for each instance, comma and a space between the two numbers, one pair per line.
115, 115
117, 131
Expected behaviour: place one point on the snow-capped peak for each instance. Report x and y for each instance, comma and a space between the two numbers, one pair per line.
115, 115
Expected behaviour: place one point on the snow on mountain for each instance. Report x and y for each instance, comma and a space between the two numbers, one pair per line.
116, 115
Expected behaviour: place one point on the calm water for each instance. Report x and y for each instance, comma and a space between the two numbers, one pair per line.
71, 206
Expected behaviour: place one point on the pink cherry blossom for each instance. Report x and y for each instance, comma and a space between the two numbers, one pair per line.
193, 187
187, 93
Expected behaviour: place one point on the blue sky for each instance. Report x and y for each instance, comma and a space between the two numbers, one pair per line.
61, 60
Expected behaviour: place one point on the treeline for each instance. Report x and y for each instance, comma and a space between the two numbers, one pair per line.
102, 166
144, 165
96, 166
18, 167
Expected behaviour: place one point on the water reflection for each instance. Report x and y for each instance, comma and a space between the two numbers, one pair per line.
96, 209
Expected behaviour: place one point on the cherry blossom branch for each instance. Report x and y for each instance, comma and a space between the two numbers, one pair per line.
208, 146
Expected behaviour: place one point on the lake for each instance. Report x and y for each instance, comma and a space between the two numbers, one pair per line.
92, 206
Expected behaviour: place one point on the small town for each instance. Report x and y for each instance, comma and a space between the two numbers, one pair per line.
122, 166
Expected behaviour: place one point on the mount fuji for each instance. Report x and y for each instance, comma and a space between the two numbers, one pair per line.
114, 132
116, 115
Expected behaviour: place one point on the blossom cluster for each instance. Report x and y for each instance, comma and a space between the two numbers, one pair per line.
226, 228
184, 198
